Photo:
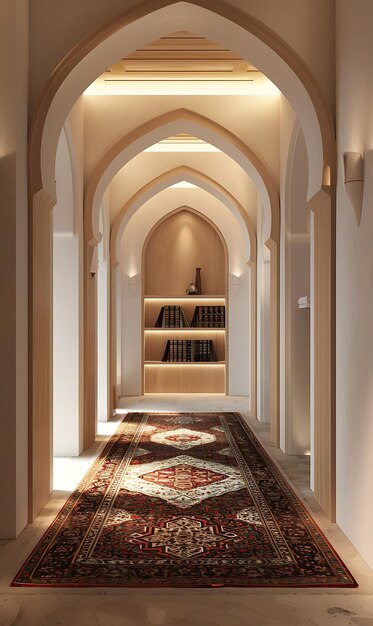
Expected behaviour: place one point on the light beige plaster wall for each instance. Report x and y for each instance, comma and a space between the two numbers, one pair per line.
75, 128
55, 27
254, 119
13, 267
148, 165
355, 280
294, 283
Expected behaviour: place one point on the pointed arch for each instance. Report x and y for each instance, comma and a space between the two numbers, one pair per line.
161, 127
166, 180
153, 18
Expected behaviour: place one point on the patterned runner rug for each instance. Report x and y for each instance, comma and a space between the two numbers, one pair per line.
184, 500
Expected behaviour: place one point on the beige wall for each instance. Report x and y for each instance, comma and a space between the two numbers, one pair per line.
354, 280
13, 266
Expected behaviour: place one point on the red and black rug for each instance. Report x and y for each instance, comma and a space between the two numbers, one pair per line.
184, 500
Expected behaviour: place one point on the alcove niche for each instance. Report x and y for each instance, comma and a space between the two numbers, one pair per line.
133, 301
174, 248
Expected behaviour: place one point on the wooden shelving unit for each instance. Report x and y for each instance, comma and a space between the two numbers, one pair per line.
182, 377
175, 247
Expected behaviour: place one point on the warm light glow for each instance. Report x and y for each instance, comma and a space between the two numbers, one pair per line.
186, 364
183, 184
182, 146
219, 299
124, 87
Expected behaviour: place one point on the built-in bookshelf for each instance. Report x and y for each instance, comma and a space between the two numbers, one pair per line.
194, 360
185, 358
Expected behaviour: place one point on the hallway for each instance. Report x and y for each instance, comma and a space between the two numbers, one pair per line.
186, 226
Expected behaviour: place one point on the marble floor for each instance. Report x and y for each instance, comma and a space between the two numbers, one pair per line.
178, 607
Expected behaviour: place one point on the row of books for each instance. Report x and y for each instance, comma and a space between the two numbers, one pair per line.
189, 350
209, 316
173, 316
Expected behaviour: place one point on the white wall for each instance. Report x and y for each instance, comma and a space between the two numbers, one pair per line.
74, 127
118, 291
239, 299
355, 280
66, 312
103, 314
263, 317
294, 283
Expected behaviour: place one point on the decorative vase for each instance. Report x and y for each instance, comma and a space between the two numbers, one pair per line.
191, 289
198, 280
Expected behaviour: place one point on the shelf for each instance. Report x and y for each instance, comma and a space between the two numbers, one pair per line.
185, 298
182, 376
188, 363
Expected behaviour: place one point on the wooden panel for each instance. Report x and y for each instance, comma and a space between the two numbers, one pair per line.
274, 343
189, 378
41, 382
181, 243
324, 329
90, 351
155, 341
181, 55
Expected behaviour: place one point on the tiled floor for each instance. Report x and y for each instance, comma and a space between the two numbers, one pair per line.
177, 607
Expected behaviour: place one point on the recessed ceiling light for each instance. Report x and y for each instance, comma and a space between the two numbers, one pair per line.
123, 87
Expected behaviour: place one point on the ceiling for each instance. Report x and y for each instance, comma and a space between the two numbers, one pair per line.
180, 57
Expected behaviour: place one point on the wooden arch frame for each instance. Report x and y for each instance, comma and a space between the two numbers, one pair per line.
59, 95
147, 192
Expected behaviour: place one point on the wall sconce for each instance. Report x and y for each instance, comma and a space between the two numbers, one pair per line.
133, 282
353, 180
235, 283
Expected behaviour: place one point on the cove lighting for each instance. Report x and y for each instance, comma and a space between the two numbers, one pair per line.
219, 299
182, 147
125, 87
183, 184
187, 365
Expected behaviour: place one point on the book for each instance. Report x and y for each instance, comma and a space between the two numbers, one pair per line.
171, 316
